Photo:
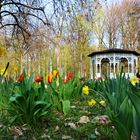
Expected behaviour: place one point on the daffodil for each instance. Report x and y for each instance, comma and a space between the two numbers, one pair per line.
134, 80
2, 71
91, 102
102, 102
85, 90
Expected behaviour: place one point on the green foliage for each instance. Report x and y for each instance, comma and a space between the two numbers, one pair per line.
62, 93
29, 102
123, 100
5, 92
66, 106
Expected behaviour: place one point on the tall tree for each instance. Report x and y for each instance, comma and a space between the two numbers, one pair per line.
11, 12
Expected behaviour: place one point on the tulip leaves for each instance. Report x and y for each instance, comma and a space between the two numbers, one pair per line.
61, 93
29, 103
66, 106
30, 82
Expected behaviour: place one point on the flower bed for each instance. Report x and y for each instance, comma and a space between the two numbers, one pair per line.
69, 108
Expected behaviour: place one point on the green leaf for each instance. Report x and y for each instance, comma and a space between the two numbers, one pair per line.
93, 136
40, 102
13, 98
136, 124
13, 119
43, 114
121, 129
66, 106
126, 115
36, 112
135, 101
30, 81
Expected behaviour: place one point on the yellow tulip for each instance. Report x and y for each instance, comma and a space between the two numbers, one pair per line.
55, 73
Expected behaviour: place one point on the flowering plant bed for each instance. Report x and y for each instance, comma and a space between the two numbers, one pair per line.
70, 108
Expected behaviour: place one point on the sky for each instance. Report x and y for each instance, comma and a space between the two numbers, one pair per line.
112, 1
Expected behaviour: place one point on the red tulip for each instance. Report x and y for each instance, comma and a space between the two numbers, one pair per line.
21, 77
99, 78
38, 78
68, 78
70, 75
64, 81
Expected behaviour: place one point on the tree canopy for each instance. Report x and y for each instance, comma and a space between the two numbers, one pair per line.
60, 34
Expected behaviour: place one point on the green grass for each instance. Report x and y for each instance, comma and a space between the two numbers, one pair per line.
56, 127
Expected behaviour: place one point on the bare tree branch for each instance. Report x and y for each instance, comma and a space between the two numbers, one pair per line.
20, 13
21, 4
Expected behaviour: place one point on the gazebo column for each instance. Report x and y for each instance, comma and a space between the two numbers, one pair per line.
96, 69
91, 68
132, 68
129, 71
118, 67
114, 66
110, 68
114, 63
137, 63
128, 67
100, 69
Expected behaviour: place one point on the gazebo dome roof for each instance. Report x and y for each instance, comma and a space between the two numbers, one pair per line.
114, 50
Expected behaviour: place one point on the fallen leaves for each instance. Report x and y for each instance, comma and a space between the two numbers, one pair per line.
16, 131
57, 128
103, 120
72, 125
64, 137
84, 119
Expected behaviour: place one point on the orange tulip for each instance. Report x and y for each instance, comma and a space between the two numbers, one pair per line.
50, 78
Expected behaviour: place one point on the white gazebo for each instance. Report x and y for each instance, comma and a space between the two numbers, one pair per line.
111, 61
